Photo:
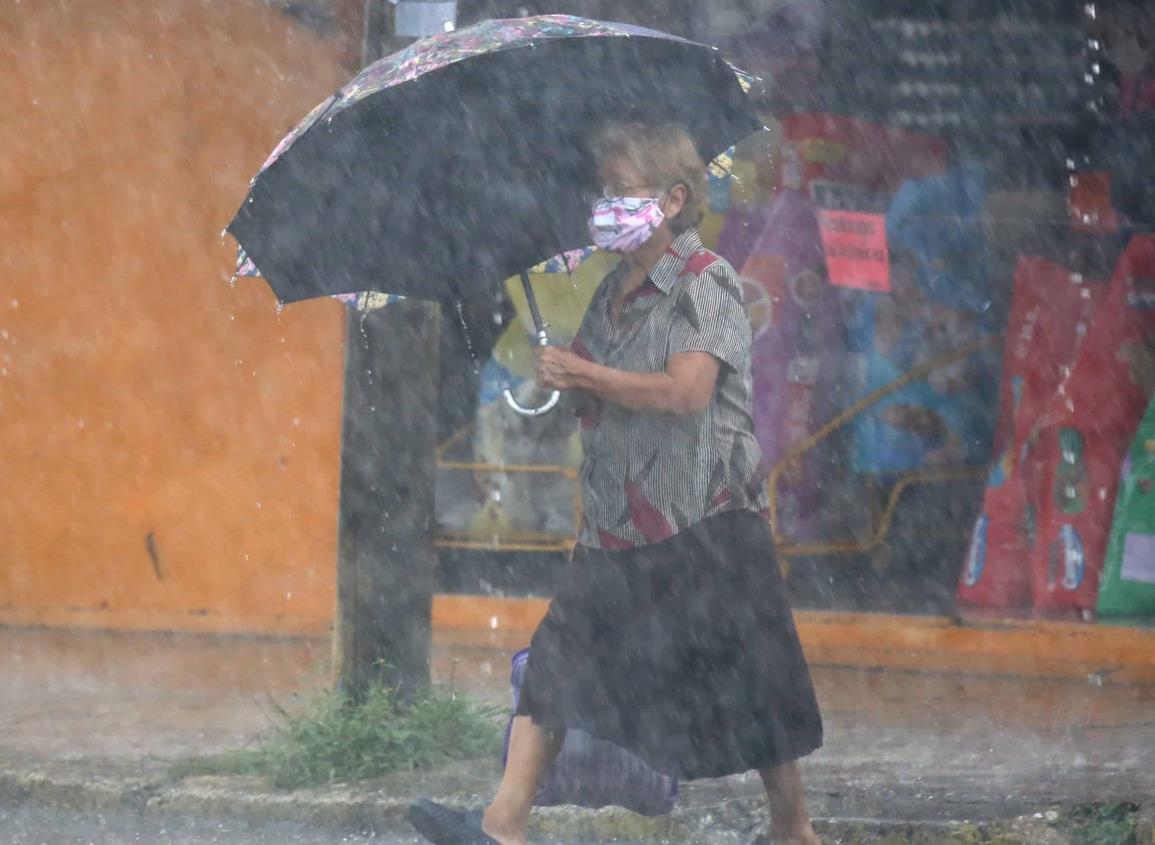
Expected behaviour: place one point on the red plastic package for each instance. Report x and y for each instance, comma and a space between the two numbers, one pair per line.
1077, 443
1044, 341
1040, 343
1078, 481
995, 576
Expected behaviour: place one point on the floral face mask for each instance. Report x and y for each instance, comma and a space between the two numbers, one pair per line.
622, 224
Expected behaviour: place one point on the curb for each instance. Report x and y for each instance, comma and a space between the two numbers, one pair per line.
74, 793
1145, 825
237, 797
372, 810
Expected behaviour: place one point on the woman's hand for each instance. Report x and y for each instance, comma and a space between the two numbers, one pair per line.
557, 368
685, 387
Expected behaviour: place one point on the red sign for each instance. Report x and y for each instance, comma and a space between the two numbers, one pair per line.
856, 253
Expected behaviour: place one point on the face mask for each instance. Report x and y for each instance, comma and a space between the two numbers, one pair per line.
623, 224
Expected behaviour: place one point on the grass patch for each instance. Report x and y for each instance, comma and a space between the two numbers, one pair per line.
337, 740
1101, 824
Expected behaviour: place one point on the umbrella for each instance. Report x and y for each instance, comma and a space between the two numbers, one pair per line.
459, 161
455, 161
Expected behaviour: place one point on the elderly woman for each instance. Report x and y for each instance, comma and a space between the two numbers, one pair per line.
670, 633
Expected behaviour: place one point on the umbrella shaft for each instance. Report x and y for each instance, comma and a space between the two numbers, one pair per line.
538, 324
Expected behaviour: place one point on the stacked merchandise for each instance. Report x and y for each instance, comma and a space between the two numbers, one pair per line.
825, 161
770, 235
794, 342
1048, 305
939, 302
1077, 377
820, 150
1074, 459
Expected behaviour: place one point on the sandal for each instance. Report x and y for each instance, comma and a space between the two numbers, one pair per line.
444, 826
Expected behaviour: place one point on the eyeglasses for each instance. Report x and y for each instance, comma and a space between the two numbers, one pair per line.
610, 192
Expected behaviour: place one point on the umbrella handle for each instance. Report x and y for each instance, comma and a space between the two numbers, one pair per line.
550, 403
539, 326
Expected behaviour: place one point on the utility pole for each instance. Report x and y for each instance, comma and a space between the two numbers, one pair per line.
386, 560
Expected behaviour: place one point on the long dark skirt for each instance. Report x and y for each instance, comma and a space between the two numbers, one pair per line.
683, 651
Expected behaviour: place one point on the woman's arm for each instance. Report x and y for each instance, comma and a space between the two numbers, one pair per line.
686, 386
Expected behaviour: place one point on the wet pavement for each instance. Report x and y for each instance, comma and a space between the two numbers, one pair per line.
31, 825
936, 745
76, 694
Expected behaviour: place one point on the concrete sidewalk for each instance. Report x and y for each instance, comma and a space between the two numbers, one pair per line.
92, 719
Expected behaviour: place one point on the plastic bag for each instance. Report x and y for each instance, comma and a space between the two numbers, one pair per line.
1128, 585
995, 576
1075, 482
594, 773
1080, 436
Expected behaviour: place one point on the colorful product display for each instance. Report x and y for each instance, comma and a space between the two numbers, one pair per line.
1077, 374
1048, 304
796, 341
846, 169
1082, 436
836, 148
938, 303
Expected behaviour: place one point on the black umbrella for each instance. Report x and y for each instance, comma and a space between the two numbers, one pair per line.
462, 159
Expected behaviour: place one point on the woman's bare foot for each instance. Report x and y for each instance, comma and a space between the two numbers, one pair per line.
503, 830
789, 818
800, 837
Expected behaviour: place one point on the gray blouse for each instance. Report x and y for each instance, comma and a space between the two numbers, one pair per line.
646, 475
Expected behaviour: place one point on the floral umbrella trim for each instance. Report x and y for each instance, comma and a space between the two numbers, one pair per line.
491, 36
366, 301
298, 130
567, 262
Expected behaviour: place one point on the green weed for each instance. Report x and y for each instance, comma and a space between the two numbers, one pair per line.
1101, 824
337, 740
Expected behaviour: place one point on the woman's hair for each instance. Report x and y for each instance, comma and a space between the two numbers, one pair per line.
665, 155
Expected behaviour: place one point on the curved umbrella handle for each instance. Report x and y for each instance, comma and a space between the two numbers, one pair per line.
521, 410
550, 403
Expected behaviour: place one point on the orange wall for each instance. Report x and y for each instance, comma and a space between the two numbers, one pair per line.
139, 393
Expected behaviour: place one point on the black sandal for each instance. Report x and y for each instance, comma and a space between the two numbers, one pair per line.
444, 826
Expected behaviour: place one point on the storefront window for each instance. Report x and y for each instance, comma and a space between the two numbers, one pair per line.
945, 243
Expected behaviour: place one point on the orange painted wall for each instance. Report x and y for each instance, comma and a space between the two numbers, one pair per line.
140, 394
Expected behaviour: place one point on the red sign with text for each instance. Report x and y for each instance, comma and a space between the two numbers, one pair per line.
855, 247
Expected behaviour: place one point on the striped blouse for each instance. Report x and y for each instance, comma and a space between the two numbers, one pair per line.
646, 475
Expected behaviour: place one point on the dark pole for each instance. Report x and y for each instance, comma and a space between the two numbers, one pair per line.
385, 555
